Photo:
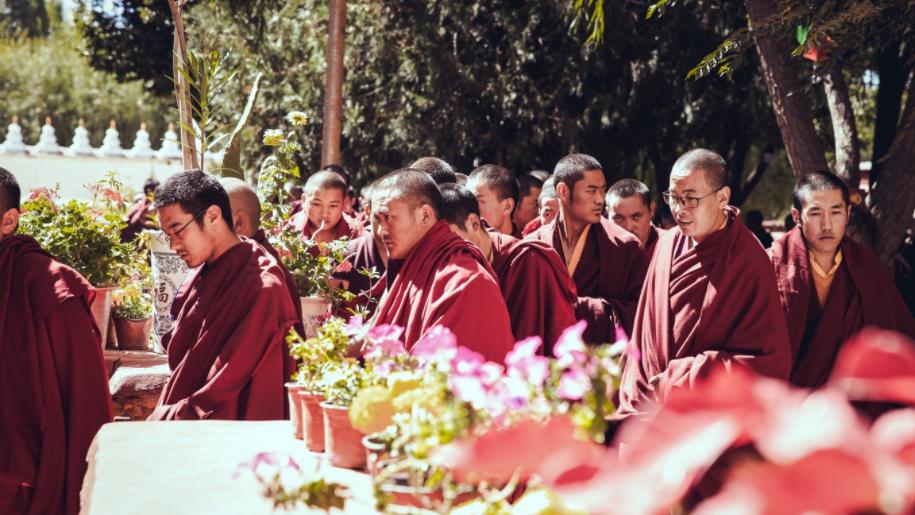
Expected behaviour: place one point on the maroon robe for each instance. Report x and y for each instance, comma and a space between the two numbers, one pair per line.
715, 302
654, 232
862, 294
362, 252
53, 382
289, 364
226, 349
537, 288
445, 280
608, 278
138, 218
532, 226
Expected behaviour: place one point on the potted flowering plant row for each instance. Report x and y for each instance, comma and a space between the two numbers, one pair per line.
85, 236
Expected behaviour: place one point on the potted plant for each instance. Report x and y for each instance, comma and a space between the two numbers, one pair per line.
311, 264
132, 318
315, 357
85, 236
342, 442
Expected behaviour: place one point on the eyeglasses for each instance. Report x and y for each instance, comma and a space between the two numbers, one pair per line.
687, 202
165, 239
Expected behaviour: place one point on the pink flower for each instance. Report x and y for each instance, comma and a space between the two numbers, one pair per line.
386, 349
574, 384
437, 344
466, 361
570, 347
343, 267
379, 332
469, 388
38, 193
355, 327
524, 362
622, 343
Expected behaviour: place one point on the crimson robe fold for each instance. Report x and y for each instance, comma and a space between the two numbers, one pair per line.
654, 232
608, 277
862, 294
53, 382
445, 280
538, 291
289, 364
363, 253
227, 346
714, 302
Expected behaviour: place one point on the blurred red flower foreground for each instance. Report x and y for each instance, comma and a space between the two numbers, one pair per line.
737, 444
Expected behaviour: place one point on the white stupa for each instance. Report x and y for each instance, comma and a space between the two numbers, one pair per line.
111, 145
81, 145
171, 147
142, 148
47, 141
13, 143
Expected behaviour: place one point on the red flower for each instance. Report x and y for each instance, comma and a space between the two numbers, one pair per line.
877, 365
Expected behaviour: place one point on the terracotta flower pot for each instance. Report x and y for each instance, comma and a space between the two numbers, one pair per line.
133, 334
295, 407
312, 420
101, 312
376, 452
313, 308
342, 441
402, 493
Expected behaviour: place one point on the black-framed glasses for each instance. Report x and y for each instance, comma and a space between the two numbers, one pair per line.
167, 240
687, 202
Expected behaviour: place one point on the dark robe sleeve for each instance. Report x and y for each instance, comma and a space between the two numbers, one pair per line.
619, 311
247, 350
83, 383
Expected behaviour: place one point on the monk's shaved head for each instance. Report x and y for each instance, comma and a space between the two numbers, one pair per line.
412, 186
498, 179
243, 198
9, 191
818, 181
714, 166
572, 168
458, 203
548, 192
325, 180
627, 188
440, 171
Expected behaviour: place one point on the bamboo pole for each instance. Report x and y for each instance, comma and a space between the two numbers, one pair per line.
189, 156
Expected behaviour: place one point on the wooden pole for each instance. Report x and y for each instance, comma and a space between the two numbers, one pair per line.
333, 83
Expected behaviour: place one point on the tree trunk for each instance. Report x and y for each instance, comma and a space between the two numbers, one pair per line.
893, 72
182, 93
892, 200
844, 128
739, 196
804, 148
333, 83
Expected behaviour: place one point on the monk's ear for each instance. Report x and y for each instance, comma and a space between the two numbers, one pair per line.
796, 216
562, 191
212, 214
426, 215
9, 222
724, 196
511, 205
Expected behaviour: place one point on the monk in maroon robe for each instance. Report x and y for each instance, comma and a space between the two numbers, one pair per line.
322, 218
606, 262
246, 216
547, 206
529, 188
535, 283
53, 384
227, 346
434, 277
831, 287
438, 169
497, 193
709, 296
139, 217
629, 206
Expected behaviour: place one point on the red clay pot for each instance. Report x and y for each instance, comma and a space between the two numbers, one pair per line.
312, 420
342, 441
295, 410
132, 334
